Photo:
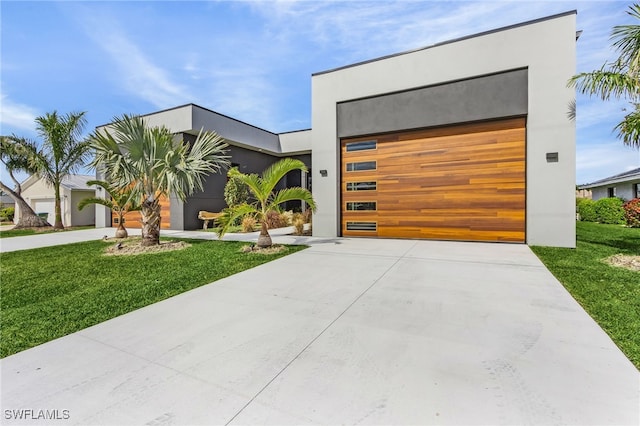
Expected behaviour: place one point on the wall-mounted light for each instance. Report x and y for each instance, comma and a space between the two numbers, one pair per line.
552, 157
323, 173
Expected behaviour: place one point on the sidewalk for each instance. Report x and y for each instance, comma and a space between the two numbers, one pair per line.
27, 242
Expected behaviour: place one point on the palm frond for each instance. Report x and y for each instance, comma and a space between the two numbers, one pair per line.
294, 194
274, 173
95, 200
571, 111
629, 129
605, 84
230, 214
626, 40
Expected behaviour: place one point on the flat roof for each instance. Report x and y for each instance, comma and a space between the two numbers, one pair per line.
455, 40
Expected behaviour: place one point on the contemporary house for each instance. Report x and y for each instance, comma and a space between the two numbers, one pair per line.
464, 140
251, 150
41, 198
623, 185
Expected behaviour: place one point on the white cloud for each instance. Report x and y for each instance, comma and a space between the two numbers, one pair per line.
595, 112
16, 115
136, 71
601, 159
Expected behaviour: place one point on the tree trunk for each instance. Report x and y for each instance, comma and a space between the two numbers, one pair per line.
58, 211
121, 232
27, 218
150, 214
264, 240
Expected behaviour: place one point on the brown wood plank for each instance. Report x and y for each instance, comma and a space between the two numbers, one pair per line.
461, 182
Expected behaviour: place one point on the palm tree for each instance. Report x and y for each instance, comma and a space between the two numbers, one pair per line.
619, 79
266, 200
14, 154
152, 163
121, 203
62, 152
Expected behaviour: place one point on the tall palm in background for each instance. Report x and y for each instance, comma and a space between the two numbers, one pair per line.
151, 163
121, 202
619, 79
62, 152
266, 200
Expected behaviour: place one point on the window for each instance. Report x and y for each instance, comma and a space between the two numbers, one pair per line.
361, 226
636, 190
361, 166
360, 146
361, 205
611, 192
361, 186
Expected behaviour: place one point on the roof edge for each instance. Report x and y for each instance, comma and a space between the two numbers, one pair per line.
455, 40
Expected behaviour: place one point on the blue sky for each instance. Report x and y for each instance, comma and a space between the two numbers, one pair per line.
253, 60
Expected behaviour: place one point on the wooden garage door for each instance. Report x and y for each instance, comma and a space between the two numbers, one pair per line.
458, 183
133, 219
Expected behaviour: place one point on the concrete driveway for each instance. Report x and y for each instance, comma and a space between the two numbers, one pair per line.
349, 331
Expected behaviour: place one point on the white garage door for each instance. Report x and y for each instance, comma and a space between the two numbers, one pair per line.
46, 206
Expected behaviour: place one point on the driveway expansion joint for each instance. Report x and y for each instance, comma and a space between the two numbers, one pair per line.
399, 258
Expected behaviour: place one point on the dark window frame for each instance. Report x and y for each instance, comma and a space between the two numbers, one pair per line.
352, 167
361, 146
361, 226
362, 203
353, 186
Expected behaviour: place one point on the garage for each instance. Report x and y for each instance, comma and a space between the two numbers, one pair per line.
463, 182
48, 206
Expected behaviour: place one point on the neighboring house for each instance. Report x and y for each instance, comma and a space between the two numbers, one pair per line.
41, 197
428, 143
6, 201
623, 185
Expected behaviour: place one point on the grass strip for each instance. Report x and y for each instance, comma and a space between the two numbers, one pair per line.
611, 295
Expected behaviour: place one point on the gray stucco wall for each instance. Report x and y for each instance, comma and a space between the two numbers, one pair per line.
481, 98
546, 48
212, 198
86, 216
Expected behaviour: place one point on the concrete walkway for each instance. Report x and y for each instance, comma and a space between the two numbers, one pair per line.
349, 331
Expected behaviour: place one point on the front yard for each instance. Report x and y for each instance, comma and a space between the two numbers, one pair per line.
50, 292
610, 294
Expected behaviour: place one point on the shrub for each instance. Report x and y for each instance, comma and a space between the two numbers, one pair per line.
586, 210
287, 217
632, 212
235, 191
307, 216
609, 210
298, 223
274, 220
7, 214
248, 224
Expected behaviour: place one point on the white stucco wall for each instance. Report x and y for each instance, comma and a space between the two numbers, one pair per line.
546, 48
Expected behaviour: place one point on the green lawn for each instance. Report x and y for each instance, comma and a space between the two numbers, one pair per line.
50, 292
611, 295
30, 231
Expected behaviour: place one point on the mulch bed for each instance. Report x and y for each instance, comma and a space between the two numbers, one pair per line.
132, 246
624, 261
